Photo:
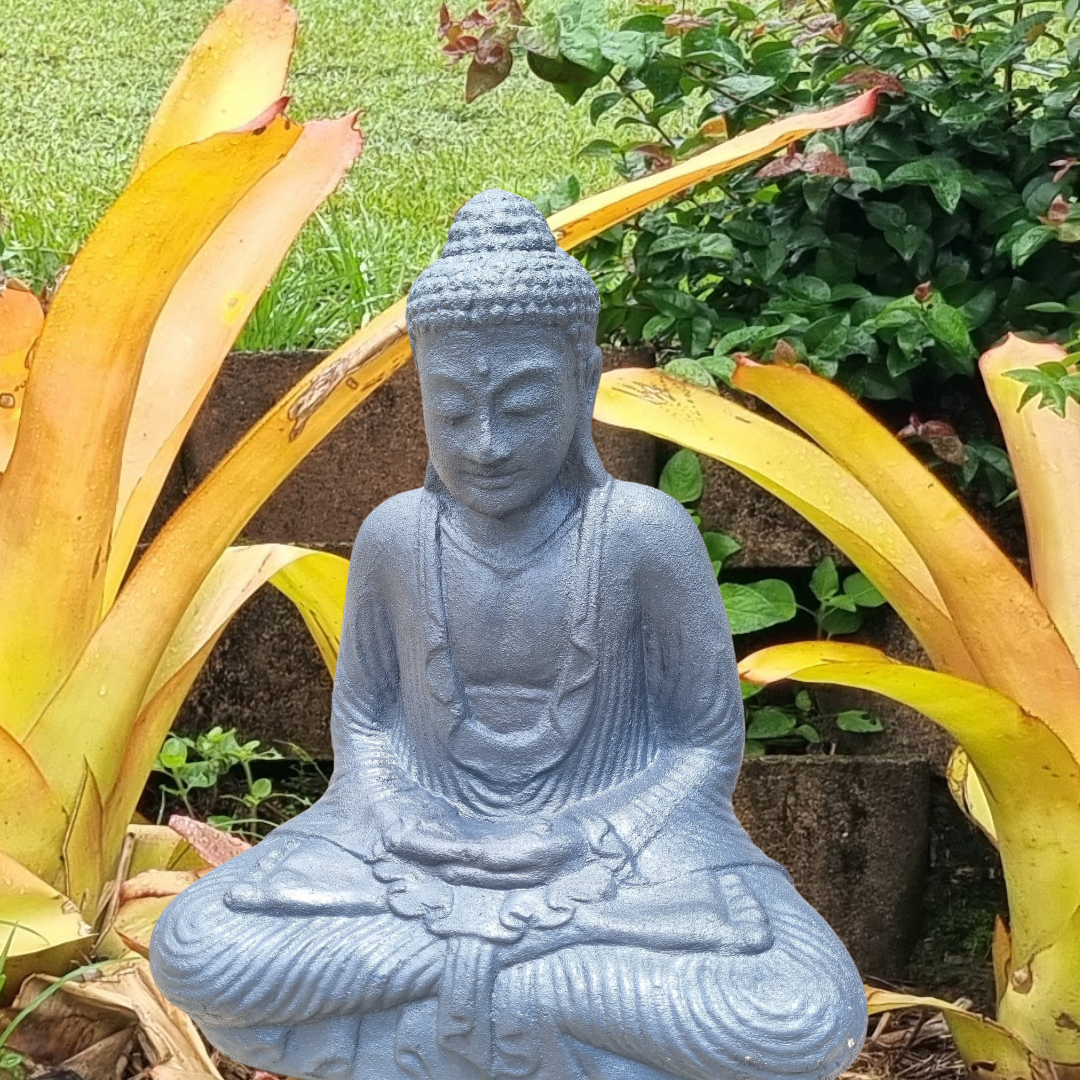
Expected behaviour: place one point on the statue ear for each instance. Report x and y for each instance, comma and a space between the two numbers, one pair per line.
591, 369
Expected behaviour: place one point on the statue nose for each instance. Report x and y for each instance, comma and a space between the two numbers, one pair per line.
488, 448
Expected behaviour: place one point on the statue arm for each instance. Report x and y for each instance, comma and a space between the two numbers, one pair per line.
692, 680
369, 795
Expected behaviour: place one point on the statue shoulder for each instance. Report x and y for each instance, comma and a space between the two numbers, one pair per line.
651, 525
389, 532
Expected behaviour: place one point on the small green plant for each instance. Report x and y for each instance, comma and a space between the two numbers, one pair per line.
787, 728
194, 764
841, 603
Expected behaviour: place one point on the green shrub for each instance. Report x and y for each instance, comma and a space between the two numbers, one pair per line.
886, 255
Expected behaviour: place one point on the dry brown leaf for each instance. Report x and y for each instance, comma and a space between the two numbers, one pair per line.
214, 845
157, 883
125, 995
136, 920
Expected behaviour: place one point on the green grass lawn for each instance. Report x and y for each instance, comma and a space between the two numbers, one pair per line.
81, 79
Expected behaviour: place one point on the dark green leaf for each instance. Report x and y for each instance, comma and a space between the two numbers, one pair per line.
858, 721
758, 605
569, 79
825, 581
770, 722
682, 478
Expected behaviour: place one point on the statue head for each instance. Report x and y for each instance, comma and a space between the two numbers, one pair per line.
503, 328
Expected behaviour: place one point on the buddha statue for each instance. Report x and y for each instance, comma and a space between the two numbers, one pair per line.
526, 863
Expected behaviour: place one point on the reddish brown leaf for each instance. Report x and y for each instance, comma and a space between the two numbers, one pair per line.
959, 32
781, 166
446, 21
215, 846
867, 78
1058, 213
475, 20
482, 78
922, 292
491, 50
815, 163
838, 32
939, 435
461, 46
682, 22
784, 353
825, 163
1063, 166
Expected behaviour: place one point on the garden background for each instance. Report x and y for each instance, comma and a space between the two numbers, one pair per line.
875, 260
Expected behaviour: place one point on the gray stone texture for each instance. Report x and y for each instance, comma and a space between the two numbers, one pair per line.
853, 834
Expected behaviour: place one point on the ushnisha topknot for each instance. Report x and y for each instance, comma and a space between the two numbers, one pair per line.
501, 264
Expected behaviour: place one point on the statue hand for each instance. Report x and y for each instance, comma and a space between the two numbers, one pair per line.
492, 854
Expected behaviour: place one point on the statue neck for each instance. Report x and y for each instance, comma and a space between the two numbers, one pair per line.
516, 535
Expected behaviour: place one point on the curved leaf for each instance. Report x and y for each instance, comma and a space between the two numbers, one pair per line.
84, 870
32, 821
802, 475
205, 312
21, 319
57, 499
979, 1040
592, 216
1030, 777
33, 914
982, 589
233, 73
124, 754
1044, 450
968, 793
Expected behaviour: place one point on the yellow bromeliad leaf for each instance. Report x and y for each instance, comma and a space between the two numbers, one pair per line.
968, 793
802, 475
120, 754
32, 821
157, 847
84, 871
594, 215
1045, 453
136, 920
57, 497
317, 587
234, 73
34, 917
982, 589
978, 1038
205, 312
1030, 778
21, 319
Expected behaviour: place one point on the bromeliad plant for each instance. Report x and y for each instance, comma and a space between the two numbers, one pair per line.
1007, 684
96, 654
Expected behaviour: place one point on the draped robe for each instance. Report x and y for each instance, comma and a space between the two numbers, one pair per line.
639, 740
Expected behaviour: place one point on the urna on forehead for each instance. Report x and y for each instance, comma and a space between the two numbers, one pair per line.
501, 265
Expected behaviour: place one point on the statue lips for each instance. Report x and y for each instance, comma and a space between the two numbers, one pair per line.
489, 480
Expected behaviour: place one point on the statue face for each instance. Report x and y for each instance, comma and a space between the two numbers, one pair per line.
500, 409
